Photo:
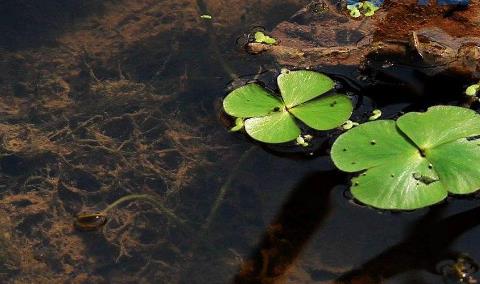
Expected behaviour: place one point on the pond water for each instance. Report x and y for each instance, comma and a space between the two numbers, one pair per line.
105, 99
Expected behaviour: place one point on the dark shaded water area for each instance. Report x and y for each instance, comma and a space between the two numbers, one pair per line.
105, 99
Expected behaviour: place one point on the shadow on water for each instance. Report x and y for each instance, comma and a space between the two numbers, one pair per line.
299, 218
29, 23
426, 245
427, 241
143, 245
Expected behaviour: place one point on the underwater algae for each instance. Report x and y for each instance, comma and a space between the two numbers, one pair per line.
119, 101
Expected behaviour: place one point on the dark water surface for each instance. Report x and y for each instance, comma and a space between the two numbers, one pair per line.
105, 99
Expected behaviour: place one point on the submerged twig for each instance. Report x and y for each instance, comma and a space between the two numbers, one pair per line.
93, 221
202, 6
223, 190
148, 198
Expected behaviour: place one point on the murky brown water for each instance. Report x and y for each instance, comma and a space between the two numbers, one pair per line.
105, 99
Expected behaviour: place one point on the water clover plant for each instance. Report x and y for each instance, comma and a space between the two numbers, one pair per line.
415, 161
305, 97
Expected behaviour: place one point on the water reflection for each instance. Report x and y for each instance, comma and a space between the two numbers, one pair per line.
299, 218
26, 24
427, 244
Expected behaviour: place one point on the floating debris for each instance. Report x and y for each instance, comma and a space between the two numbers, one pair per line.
376, 113
301, 141
368, 9
260, 37
307, 137
239, 125
424, 179
472, 90
349, 124
284, 71
355, 9
459, 271
90, 221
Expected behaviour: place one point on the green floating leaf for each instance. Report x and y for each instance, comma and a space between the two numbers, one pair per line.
260, 37
369, 8
301, 141
393, 186
457, 165
472, 90
298, 87
439, 125
414, 162
278, 127
239, 125
271, 120
249, 101
324, 113
369, 145
357, 5
376, 113
354, 11
349, 124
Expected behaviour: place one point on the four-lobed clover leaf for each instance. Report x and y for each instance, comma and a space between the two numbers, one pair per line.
271, 119
413, 162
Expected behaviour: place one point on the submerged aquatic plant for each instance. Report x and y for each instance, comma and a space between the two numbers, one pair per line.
271, 119
96, 220
415, 161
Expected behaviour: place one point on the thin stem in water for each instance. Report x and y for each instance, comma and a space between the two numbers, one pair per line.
148, 198
223, 190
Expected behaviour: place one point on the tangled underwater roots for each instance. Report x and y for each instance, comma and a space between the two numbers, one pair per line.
128, 141
91, 111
